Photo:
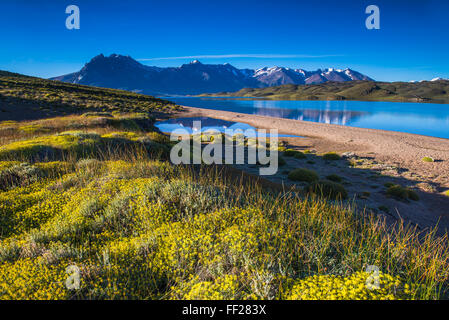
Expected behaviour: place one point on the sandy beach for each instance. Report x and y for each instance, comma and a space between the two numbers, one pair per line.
396, 155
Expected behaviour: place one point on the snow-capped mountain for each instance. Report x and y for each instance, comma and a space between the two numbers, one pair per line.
438, 79
123, 72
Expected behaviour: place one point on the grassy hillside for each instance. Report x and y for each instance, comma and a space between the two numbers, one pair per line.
95, 193
436, 92
24, 97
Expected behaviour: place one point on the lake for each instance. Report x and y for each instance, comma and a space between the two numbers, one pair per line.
420, 118
189, 126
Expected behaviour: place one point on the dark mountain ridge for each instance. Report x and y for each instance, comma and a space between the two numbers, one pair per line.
123, 72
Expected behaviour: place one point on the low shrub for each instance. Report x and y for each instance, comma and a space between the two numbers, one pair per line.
412, 195
398, 192
401, 193
290, 153
330, 156
428, 159
328, 189
304, 175
300, 155
358, 286
334, 178
294, 153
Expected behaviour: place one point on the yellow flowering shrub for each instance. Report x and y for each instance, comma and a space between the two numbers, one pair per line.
226, 287
149, 230
8, 164
122, 135
32, 280
358, 286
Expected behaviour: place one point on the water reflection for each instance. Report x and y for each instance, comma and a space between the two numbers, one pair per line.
210, 125
324, 116
420, 118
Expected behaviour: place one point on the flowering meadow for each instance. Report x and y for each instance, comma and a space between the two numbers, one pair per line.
96, 193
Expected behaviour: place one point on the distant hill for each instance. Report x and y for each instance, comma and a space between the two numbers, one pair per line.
123, 72
23, 97
436, 91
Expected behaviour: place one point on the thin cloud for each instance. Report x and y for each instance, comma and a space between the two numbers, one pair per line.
230, 56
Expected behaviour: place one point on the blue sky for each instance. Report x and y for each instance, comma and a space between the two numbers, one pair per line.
412, 43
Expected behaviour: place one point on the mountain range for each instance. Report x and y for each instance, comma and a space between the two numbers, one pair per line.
123, 72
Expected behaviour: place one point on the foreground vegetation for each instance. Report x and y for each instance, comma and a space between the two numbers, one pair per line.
96, 194
138, 227
436, 91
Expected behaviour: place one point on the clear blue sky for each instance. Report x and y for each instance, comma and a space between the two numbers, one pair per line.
413, 42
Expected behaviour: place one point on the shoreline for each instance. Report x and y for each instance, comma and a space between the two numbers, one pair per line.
398, 155
403, 146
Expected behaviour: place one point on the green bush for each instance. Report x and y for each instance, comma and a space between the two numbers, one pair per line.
412, 195
401, 193
398, 192
328, 189
330, 156
300, 155
294, 153
334, 178
428, 159
290, 153
304, 175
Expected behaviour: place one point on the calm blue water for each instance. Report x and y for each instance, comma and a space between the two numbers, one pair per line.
420, 118
188, 125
